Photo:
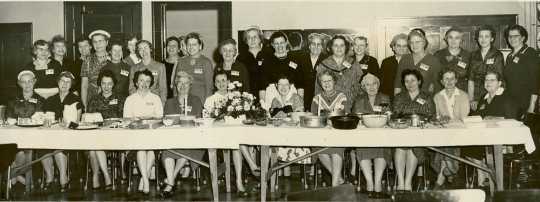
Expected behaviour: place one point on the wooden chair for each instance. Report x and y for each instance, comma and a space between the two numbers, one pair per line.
456, 195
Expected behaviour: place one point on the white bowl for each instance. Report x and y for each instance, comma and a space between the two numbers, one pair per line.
374, 120
205, 122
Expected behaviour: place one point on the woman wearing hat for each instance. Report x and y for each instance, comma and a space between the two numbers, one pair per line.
57, 104
45, 69
25, 105
421, 60
93, 65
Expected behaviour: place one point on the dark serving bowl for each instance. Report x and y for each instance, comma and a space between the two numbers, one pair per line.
345, 122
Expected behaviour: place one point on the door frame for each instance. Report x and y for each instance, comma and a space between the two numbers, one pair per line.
71, 8
8, 89
159, 30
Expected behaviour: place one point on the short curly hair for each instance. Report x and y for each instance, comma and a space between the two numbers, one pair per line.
143, 72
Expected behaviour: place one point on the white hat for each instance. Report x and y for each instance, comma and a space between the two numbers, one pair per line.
22, 73
99, 31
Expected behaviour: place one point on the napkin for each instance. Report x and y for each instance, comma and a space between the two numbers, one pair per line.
70, 113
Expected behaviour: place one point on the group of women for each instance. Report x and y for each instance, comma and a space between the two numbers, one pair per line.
333, 76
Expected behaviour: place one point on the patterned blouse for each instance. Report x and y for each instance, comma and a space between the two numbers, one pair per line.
24, 108
421, 104
109, 107
294, 100
91, 68
329, 104
459, 63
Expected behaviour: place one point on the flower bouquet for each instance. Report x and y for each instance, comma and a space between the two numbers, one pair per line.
235, 108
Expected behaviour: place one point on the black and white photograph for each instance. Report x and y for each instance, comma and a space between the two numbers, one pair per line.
271, 100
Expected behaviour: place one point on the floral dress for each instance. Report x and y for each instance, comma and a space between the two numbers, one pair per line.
90, 69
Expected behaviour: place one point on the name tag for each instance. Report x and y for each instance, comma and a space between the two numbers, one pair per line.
235, 73
33, 100
124, 72
293, 65
364, 66
462, 64
424, 67
259, 62
516, 59
113, 102
347, 64
49, 71
154, 73
149, 104
377, 108
490, 61
198, 71
421, 101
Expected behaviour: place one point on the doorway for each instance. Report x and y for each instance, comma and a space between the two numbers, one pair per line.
15, 52
120, 19
210, 19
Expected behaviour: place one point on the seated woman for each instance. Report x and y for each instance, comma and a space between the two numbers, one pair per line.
372, 102
110, 105
221, 82
143, 104
287, 101
25, 105
410, 101
329, 102
58, 104
495, 104
177, 105
452, 105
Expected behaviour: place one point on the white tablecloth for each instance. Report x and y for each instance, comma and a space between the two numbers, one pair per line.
230, 137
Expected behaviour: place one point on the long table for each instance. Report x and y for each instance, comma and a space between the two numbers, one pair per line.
230, 137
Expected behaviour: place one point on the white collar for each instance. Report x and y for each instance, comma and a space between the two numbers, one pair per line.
498, 92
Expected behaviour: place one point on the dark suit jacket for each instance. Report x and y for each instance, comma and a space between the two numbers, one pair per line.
307, 75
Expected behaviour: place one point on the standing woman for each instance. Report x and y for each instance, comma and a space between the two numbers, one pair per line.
330, 101
367, 63
486, 59
58, 50
308, 62
85, 49
452, 105
143, 104
389, 66
454, 57
57, 104
120, 70
172, 47
253, 58
521, 71
279, 63
110, 105
236, 71
93, 65
421, 60
348, 73
411, 101
132, 58
197, 65
45, 69
144, 51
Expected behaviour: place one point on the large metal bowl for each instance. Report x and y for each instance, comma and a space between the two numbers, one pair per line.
311, 121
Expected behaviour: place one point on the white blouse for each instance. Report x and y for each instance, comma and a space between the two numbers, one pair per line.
137, 105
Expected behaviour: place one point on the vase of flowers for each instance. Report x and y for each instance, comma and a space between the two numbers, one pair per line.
235, 108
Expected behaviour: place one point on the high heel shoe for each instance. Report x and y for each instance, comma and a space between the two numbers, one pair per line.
63, 188
47, 187
108, 187
167, 194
